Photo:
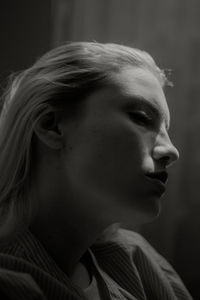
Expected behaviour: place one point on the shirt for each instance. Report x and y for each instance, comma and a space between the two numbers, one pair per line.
126, 267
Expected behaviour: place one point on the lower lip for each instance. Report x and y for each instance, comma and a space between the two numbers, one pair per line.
158, 186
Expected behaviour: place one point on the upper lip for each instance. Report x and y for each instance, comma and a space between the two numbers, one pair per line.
162, 176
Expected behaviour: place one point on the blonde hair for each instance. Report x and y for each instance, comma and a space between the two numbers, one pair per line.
60, 79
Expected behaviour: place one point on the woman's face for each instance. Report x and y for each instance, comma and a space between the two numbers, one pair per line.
116, 155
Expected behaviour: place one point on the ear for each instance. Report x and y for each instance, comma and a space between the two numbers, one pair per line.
49, 131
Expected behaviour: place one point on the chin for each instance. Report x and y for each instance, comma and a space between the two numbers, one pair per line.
152, 209
141, 213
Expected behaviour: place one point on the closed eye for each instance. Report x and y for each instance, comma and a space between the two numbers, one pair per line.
141, 118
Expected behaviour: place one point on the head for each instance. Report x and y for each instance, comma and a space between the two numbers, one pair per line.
93, 119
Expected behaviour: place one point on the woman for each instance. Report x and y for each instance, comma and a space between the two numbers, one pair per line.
84, 147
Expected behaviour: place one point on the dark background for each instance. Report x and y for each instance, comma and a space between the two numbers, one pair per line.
170, 32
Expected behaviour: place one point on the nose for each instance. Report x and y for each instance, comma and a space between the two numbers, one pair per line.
164, 151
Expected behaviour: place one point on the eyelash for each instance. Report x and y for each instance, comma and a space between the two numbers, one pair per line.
141, 118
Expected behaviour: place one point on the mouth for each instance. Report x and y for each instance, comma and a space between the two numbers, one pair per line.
161, 176
159, 180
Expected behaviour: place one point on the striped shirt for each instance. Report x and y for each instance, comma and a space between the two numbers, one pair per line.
126, 268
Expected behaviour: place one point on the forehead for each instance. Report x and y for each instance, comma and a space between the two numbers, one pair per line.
128, 85
143, 83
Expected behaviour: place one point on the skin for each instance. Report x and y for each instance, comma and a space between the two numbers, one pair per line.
91, 172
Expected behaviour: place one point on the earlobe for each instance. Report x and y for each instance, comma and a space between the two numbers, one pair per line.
48, 131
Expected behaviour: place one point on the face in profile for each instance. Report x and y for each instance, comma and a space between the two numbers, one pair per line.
117, 154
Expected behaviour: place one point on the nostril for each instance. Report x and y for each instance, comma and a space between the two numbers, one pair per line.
166, 154
166, 159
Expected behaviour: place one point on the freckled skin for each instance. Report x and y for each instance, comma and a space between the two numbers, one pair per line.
107, 154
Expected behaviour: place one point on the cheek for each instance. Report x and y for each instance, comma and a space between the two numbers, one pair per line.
105, 170
118, 155
109, 162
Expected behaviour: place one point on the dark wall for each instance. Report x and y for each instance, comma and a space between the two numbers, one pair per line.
25, 31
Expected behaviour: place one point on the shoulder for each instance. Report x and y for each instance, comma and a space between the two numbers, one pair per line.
134, 245
129, 252
149, 262
130, 238
132, 241
139, 247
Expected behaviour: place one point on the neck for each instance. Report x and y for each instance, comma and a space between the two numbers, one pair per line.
66, 225
65, 243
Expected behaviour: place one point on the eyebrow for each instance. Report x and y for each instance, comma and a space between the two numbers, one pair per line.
138, 100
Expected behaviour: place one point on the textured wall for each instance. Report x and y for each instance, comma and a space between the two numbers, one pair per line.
170, 31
